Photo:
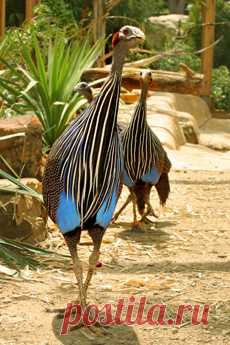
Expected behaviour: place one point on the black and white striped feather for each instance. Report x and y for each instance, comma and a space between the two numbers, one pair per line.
142, 148
86, 161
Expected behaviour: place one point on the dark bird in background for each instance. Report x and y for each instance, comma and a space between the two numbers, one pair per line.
84, 90
83, 172
146, 163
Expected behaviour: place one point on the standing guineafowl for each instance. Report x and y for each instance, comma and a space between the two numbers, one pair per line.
83, 172
145, 160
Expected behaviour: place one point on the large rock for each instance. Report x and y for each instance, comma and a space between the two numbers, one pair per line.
167, 130
162, 29
21, 145
191, 112
190, 104
22, 217
216, 134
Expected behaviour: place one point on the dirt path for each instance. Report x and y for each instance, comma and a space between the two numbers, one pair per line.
182, 258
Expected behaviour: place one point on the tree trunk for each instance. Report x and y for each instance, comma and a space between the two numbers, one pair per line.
176, 6
2, 17
99, 24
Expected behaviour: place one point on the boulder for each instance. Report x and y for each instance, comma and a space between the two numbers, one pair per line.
215, 134
167, 130
190, 104
22, 217
21, 145
162, 29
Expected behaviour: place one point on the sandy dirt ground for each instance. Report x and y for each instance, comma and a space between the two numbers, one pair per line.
182, 258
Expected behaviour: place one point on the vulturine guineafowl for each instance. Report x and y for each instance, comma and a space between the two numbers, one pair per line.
145, 161
84, 167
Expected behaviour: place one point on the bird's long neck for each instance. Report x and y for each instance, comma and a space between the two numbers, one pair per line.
144, 91
139, 117
119, 54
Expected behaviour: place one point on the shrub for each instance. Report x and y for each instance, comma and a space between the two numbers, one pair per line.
45, 81
221, 88
222, 50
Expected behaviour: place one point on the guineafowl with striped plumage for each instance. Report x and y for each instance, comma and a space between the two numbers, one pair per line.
146, 163
84, 167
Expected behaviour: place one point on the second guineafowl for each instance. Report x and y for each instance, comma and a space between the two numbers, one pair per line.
146, 163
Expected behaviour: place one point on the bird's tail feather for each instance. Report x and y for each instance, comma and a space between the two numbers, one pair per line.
163, 188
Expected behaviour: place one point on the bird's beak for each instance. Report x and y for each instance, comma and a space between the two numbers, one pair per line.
139, 34
76, 88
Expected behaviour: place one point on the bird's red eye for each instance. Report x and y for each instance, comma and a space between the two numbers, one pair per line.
126, 32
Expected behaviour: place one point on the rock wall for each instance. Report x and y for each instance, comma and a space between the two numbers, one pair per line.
22, 217
21, 145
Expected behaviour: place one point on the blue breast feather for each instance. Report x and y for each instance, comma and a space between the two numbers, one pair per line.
104, 215
127, 180
151, 177
68, 217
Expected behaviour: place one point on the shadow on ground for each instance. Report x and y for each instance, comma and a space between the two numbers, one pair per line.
147, 233
116, 335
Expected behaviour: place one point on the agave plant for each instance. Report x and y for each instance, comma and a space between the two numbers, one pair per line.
45, 82
16, 256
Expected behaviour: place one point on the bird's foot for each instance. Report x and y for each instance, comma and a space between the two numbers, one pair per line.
60, 312
90, 326
136, 224
146, 220
150, 212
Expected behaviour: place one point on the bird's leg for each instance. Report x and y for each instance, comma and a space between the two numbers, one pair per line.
135, 221
72, 242
96, 234
117, 214
150, 210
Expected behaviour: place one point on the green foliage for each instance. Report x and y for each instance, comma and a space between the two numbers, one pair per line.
222, 28
221, 88
60, 10
45, 26
185, 55
45, 82
19, 187
136, 11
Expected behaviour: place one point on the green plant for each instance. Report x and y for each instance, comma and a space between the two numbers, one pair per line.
45, 82
172, 63
61, 10
132, 12
19, 187
221, 88
222, 29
